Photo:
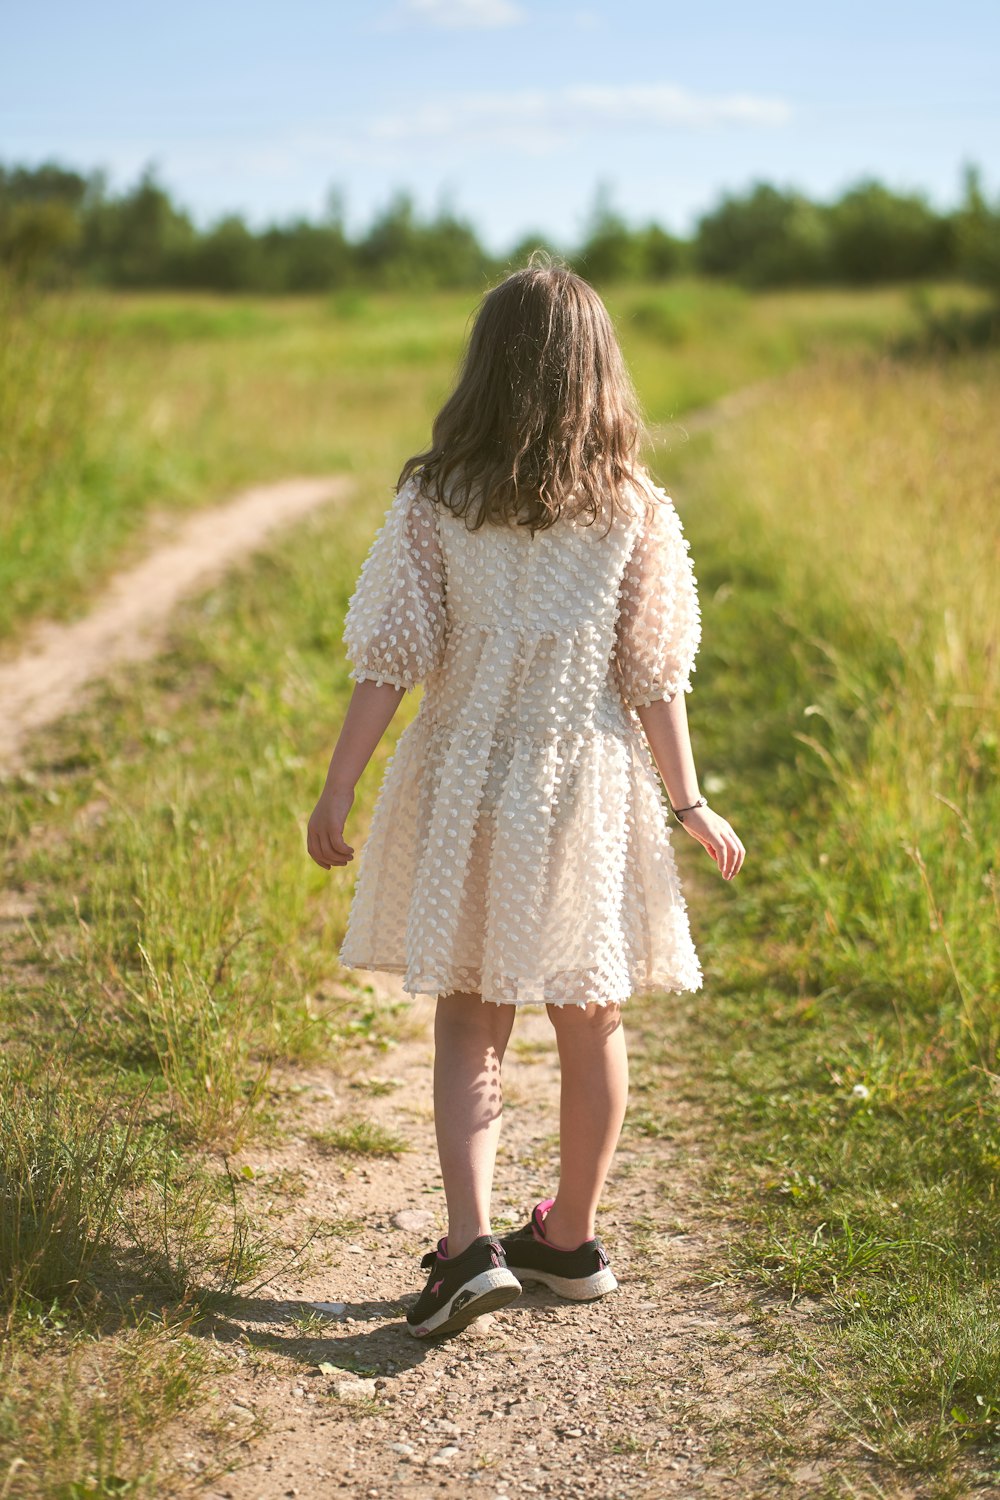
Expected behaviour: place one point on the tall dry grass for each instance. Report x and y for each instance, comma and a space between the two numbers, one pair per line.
846, 715
874, 493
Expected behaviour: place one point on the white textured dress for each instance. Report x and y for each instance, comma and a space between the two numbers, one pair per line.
519, 845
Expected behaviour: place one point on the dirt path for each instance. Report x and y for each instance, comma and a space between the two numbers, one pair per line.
666, 1388
50, 672
661, 1389
58, 661
706, 418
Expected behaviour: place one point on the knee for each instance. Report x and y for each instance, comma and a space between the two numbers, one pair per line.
585, 1020
467, 1014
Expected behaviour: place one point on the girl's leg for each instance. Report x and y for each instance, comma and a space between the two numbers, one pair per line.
593, 1093
470, 1039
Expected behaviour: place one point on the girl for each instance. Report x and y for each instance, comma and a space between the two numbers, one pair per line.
532, 576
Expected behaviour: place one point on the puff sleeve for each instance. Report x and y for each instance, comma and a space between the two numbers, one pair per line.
395, 626
659, 624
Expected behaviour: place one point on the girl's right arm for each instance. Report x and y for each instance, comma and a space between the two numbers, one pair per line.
665, 725
368, 716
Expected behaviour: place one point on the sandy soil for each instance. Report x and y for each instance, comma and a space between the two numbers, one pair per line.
664, 1388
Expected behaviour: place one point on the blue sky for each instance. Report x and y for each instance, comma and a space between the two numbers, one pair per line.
510, 111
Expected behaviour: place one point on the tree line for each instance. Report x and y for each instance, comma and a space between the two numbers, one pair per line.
62, 227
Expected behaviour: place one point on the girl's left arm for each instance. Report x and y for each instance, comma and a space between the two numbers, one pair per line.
665, 725
368, 716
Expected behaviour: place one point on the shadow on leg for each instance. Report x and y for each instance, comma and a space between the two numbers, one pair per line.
470, 1038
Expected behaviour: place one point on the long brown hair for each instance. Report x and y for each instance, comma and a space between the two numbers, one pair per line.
543, 421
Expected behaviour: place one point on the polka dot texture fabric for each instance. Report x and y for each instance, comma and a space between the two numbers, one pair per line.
519, 846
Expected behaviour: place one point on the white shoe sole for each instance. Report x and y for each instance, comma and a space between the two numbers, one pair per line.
484, 1293
576, 1288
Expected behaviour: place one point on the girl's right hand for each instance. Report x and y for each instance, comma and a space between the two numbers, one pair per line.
718, 837
325, 839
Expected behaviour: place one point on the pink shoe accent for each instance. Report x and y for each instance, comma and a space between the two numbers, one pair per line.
436, 1287
538, 1214
442, 1249
538, 1228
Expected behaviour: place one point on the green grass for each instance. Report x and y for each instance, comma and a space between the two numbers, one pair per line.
190, 947
181, 946
846, 719
359, 1137
376, 1088
116, 406
66, 1163
76, 1425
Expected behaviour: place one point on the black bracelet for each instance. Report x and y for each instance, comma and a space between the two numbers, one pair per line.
679, 812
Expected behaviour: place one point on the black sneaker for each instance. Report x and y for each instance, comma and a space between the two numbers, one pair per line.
581, 1274
462, 1288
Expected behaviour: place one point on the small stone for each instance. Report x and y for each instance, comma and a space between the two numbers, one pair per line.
482, 1325
330, 1309
405, 1450
413, 1219
444, 1455
355, 1390
240, 1411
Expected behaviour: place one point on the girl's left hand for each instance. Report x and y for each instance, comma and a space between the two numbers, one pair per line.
718, 837
325, 839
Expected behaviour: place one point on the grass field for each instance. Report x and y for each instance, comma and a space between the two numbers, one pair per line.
113, 407
848, 704
166, 945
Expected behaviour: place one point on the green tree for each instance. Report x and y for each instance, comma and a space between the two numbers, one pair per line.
38, 240
661, 255
609, 251
304, 257
226, 258
401, 251
454, 253
40, 226
139, 239
765, 237
977, 234
879, 235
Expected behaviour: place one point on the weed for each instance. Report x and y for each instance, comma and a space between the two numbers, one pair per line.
359, 1137
66, 1160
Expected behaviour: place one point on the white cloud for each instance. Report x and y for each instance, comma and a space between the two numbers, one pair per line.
456, 15
664, 104
523, 123
537, 119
